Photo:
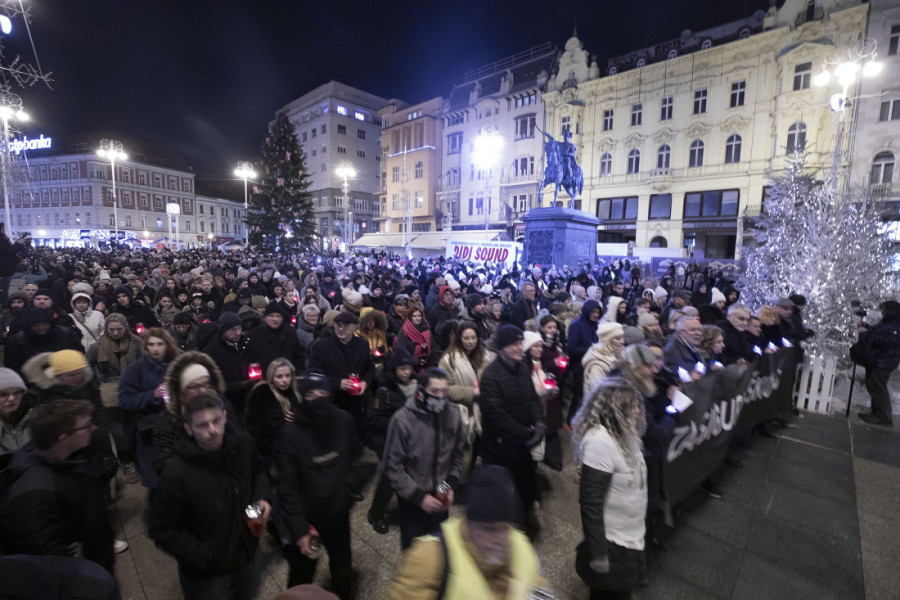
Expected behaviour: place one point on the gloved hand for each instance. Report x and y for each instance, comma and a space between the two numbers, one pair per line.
600, 565
539, 431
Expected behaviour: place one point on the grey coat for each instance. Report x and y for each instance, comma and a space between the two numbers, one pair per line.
422, 449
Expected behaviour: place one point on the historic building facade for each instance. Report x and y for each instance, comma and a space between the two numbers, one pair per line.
338, 125
64, 196
678, 141
410, 166
502, 99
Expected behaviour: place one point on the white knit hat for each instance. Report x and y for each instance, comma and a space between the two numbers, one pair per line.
192, 373
608, 330
531, 338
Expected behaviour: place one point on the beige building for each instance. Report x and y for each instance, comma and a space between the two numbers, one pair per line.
678, 141
410, 166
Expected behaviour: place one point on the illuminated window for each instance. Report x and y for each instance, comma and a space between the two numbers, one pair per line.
342, 110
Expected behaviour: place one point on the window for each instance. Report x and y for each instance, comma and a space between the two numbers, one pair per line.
802, 76
342, 110
890, 110
420, 170
361, 134
636, 113
894, 42
304, 136
713, 203
796, 138
361, 153
607, 120
673, 53
617, 208
525, 127
659, 242
395, 174
882, 168
322, 130
359, 116
341, 150
660, 206
202, 226
699, 102
605, 164
737, 93
665, 111
642, 62
159, 221
112, 220
733, 149
395, 201
696, 155
454, 143
342, 129
662, 156
312, 133
634, 162
706, 45
419, 200
566, 125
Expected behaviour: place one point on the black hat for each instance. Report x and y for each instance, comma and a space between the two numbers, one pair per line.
506, 335
228, 320
33, 316
122, 289
408, 290
43, 292
401, 357
313, 379
273, 308
473, 300
244, 293
491, 496
182, 318
347, 318
197, 295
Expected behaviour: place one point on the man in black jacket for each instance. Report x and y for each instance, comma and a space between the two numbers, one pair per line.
314, 487
274, 339
40, 334
733, 334
11, 253
526, 307
228, 350
135, 312
883, 343
198, 509
512, 419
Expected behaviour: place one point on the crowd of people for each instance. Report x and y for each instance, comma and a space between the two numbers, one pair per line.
242, 389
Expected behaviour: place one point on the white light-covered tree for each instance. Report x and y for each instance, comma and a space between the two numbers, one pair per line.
829, 247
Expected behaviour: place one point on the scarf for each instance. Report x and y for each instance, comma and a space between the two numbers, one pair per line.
441, 294
283, 400
107, 348
422, 339
401, 311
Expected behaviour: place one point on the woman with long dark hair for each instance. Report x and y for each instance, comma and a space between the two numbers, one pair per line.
415, 337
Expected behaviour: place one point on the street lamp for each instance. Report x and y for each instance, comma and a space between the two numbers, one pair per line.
245, 171
346, 171
112, 149
210, 237
10, 108
486, 151
847, 66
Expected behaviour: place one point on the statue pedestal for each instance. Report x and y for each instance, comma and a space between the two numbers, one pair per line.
559, 236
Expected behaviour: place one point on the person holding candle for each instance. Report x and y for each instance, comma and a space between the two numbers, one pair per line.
415, 336
270, 405
555, 362
273, 339
372, 328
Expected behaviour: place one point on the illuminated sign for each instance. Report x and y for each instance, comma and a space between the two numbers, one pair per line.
41, 143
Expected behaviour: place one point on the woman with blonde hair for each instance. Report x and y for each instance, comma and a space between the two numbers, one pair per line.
271, 404
613, 488
602, 356
711, 344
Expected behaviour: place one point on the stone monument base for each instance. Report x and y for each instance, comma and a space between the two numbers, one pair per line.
559, 236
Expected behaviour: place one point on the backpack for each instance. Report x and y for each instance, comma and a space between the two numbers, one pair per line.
16, 286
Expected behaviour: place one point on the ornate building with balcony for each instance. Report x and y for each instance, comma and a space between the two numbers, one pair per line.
504, 99
678, 141
339, 125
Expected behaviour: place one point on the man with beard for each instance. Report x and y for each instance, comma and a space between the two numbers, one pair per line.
135, 313
273, 339
40, 334
314, 487
228, 350
199, 507
480, 555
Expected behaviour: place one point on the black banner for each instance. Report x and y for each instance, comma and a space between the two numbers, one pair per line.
727, 402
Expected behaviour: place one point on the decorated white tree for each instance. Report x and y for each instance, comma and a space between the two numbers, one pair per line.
829, 247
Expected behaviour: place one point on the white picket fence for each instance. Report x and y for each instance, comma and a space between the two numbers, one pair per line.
815, 383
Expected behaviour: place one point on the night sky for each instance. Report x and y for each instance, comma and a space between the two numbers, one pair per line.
207, 76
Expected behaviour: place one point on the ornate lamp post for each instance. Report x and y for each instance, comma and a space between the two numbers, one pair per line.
244, 170
10, 108
486, 151
112, 149
346, 171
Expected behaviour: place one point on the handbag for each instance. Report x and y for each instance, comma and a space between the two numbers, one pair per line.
109, 394
861, 353
537, 453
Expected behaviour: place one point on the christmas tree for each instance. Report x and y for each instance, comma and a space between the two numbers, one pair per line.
827, 246
281, 217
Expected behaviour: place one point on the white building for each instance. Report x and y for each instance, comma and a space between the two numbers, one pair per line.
64, 197
339, 125
678, 141
503, 99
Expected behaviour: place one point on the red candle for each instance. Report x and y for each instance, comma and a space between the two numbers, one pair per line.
139, 328
562, 361
255, 371
354, 383
293, 321
549, 382
376, 353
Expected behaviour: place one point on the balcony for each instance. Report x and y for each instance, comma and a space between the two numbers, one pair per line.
660, 179
448, 186
883, 191
512, 178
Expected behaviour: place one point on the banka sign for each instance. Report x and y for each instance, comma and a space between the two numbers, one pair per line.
41, 143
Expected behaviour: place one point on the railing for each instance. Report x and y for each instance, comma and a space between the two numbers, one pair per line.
509, 61
881, 190
817, 14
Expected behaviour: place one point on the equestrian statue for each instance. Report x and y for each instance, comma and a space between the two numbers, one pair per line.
561, 169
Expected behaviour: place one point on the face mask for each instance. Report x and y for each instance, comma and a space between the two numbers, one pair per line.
435, 404
316, 408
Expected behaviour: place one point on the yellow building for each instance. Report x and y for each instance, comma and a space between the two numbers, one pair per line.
410, 166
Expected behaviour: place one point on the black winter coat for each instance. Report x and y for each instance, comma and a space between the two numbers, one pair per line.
11, 254
266, 344
510, 408
314, 467
235, 367
25, 344
198, 510
136, 313
521, 312
736, 346
264, 420
884, 341
387, 400
338, 361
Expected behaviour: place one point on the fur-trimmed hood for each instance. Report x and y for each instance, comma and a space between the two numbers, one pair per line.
173, 376
371, 314
37, 371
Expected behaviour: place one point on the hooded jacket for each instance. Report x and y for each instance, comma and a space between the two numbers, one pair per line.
439, 313
45, 387
168, 428
583, 332
135, 312
90, 323
198, 510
